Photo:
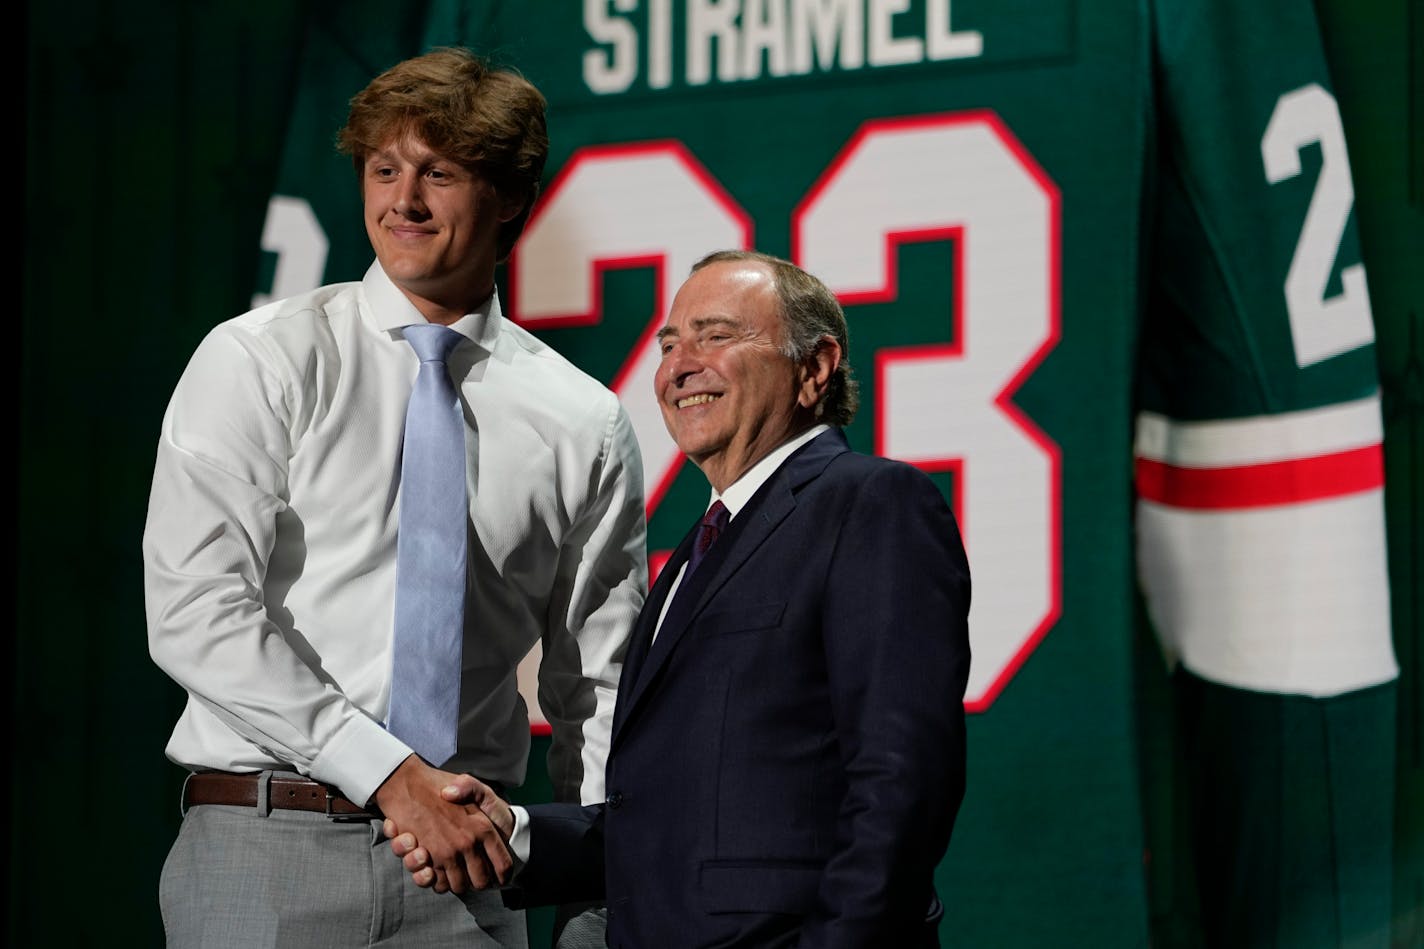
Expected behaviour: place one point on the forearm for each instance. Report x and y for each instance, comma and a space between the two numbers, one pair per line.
565, 859
603, 571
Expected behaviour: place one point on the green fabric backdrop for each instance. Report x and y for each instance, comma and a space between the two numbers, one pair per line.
152, 133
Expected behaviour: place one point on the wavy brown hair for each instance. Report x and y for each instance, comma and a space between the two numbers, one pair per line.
488, 119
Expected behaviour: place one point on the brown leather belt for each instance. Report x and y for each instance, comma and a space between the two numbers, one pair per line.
283, 793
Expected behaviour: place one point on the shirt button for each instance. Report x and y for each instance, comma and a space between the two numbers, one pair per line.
615, 800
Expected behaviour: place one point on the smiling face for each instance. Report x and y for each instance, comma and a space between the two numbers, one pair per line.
728, 394
433, 224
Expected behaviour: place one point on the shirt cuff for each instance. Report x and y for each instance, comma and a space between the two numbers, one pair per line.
359, 758
519, 839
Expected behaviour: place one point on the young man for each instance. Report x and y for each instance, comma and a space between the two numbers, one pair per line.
788, 750
333, 675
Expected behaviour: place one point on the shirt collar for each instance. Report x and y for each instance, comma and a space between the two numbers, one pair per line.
739, 492
390, 310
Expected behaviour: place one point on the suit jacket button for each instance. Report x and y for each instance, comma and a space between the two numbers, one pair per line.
615, 799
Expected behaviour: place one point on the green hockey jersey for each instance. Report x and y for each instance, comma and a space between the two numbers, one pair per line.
1103, 283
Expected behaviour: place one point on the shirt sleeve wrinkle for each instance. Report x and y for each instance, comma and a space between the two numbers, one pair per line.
220, 481
232, 410
605, 560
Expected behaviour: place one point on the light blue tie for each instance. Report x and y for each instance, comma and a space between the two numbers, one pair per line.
430, 556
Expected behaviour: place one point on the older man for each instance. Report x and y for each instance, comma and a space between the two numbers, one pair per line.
788, 746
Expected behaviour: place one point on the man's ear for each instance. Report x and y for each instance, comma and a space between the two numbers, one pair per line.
816, 371
511, 206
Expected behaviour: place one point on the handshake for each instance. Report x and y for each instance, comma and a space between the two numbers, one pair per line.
450, 830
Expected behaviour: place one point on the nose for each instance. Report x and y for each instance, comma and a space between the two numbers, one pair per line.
679, 364
409, 200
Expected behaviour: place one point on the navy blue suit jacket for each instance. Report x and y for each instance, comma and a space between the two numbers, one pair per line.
788, 757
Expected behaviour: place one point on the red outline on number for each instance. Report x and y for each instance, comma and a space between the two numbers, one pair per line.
891, 266
954, 466
890, 292
593, 317
598, 266
657, 559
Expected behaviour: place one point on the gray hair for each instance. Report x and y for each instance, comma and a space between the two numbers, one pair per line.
809, 313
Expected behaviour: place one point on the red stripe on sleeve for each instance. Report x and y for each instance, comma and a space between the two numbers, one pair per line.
1264, 485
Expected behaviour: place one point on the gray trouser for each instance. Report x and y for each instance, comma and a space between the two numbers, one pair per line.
581, 926
300, 880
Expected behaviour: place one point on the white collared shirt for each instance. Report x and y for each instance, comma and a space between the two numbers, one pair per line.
270, 546
739, 492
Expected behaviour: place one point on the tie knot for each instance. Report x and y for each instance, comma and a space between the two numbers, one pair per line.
708, 529
716, 517
431, 342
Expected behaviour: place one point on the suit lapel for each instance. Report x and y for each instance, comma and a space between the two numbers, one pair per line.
753, 525
643, 629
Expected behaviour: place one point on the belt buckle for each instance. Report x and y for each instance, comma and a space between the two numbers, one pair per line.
334, 816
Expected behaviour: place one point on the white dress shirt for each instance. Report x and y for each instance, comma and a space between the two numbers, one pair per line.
270, 546
738, 493
734, 499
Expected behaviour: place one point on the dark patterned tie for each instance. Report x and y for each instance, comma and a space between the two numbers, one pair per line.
708, 529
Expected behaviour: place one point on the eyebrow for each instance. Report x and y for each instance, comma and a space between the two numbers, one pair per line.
700, 323
420, 161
